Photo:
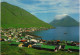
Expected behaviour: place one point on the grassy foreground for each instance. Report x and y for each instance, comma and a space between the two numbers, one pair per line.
13, 50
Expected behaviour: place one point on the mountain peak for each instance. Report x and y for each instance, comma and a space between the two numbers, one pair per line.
64, 20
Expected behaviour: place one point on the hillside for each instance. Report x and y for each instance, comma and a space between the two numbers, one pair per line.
65, 21
15, 17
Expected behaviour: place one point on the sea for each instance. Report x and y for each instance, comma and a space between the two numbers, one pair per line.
59, 33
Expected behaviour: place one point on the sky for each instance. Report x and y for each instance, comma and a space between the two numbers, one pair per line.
47, 10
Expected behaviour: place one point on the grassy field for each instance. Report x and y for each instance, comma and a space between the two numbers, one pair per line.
14, 50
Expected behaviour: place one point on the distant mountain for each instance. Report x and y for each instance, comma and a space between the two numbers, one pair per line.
16, 17
64, 21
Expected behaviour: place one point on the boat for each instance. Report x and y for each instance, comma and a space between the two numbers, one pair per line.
65, 33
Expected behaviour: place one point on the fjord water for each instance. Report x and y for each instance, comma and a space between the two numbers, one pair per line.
60, 33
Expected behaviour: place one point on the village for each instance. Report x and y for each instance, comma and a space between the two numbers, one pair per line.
22, 37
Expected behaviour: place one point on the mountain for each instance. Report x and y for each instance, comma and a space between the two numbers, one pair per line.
16, 17
64, 20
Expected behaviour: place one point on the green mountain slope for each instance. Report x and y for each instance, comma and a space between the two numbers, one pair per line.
65, 21
13, 16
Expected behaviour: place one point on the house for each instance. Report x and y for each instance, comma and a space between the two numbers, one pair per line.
34, 40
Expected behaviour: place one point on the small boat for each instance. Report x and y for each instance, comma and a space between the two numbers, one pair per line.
65, 33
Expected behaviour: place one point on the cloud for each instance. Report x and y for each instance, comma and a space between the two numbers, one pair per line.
58, 6
48, 6
58, 17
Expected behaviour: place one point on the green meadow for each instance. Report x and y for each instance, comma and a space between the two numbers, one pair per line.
11, 50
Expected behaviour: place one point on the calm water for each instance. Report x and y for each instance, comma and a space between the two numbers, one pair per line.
58, 34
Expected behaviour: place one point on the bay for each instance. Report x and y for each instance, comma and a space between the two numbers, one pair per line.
60, 33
